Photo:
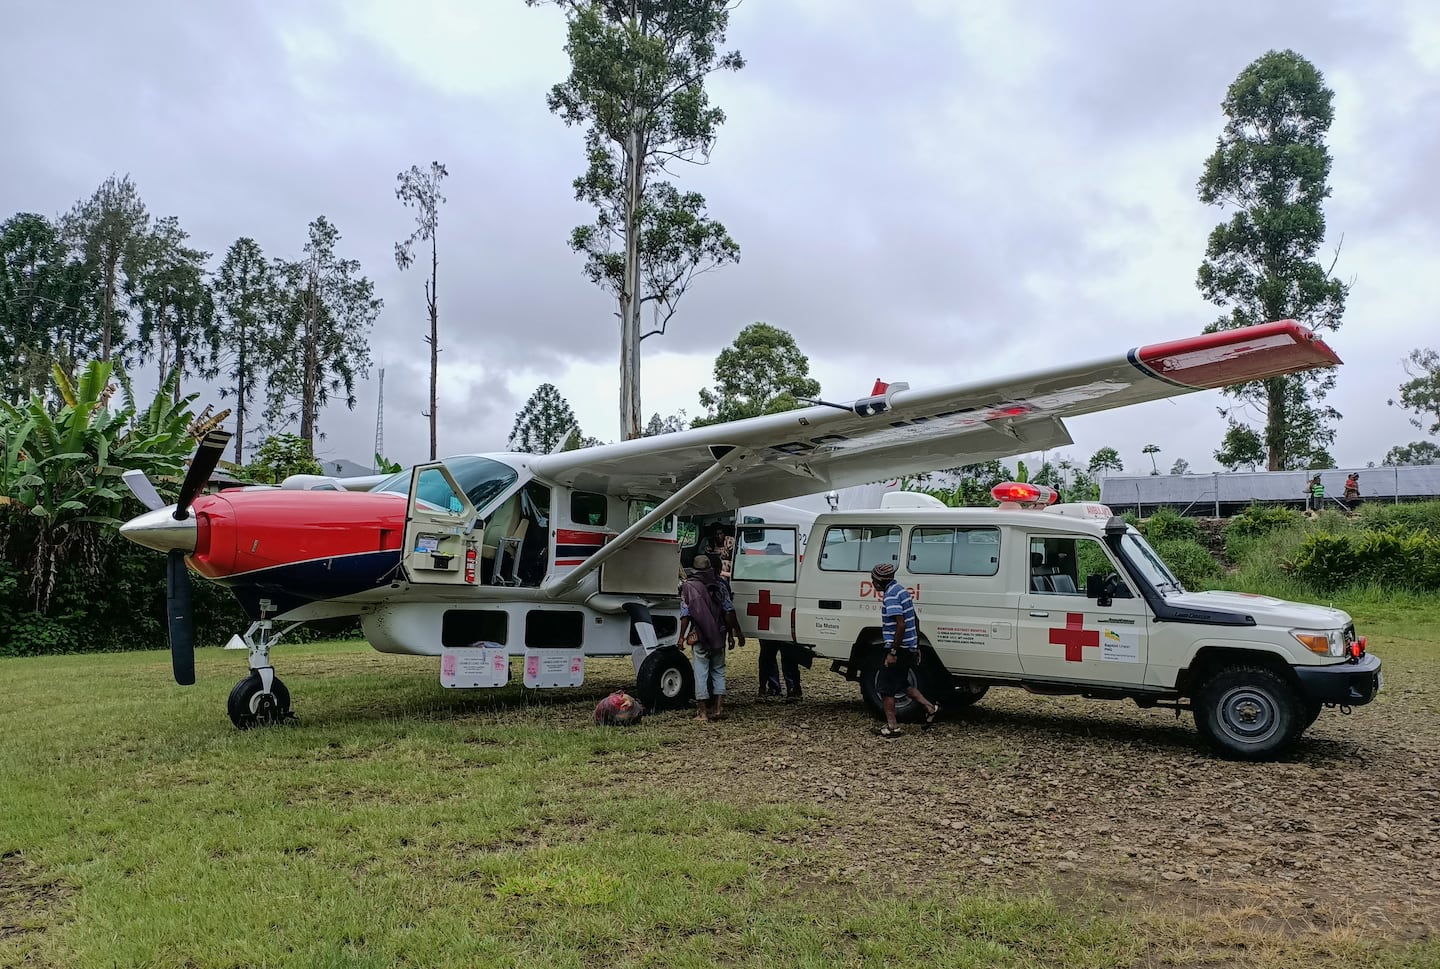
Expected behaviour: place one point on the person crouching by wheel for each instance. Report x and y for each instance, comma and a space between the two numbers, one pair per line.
902, 648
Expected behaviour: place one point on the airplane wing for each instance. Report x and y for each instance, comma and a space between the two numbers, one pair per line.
902, 431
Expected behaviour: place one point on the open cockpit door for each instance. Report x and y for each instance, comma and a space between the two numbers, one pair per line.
441, 543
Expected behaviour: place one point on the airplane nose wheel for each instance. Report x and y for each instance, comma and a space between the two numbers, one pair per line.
250, 706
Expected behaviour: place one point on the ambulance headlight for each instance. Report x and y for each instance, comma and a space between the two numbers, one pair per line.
1326, 643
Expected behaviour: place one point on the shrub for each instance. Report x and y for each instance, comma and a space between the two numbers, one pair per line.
1394, 559
1191, 562
1413, 516
1255, 522
1166, 525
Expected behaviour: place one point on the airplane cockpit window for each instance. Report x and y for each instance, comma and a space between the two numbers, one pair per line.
482, 480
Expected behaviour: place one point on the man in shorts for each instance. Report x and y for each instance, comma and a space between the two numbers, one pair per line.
902, 648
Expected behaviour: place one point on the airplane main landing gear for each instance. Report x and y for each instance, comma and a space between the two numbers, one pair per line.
261, 698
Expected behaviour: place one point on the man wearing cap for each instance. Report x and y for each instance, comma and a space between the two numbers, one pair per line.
902, 648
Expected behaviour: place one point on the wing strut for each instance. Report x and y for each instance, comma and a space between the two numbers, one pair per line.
727, 462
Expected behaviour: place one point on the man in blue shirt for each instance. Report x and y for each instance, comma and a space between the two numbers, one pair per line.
902, 648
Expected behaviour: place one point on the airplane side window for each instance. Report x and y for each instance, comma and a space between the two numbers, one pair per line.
588, 508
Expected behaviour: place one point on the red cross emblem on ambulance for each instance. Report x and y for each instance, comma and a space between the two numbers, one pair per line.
1075, 637
763, 609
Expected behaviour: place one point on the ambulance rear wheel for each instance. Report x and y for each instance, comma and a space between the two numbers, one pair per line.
250, 706
936, 689
666, 681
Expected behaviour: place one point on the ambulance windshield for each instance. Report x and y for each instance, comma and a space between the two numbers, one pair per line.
1144, 558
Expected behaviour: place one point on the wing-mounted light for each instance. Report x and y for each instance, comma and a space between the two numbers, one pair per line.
880, 398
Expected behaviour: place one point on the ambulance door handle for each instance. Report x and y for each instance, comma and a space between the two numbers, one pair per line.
1040, 615
829, 603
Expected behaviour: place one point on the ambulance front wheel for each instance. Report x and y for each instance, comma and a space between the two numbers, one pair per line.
666, 681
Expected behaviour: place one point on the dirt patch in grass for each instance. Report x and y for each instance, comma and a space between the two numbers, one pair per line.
28, 903
1060, 795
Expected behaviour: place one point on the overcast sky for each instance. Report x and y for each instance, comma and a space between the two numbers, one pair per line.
923, 190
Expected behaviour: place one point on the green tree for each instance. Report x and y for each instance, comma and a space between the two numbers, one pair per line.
1416, 452
1104, 460
63, 466
35, 305
1271, 165
545, 421
762, 372
1083, 488
1240, 445
1152, 450
1421, 393
177, 309
420, 189
109, 229
328, 312
666, 425
637, 84
1181, 466
247, 305
281, 455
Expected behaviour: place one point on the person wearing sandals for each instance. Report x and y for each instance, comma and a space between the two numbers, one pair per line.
902, 648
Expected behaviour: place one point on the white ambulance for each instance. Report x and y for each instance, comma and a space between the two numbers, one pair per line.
1055, 599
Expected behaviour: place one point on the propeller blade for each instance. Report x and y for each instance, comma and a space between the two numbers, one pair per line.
207, 457
141, 488
177, 610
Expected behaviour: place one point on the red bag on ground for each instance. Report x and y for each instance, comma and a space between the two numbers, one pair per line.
619, 709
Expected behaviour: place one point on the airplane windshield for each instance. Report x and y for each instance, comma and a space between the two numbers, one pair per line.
482, 480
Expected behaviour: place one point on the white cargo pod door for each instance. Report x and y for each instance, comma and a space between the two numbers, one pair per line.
441, 545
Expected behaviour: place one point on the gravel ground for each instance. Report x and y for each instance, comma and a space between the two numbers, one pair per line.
1066, 794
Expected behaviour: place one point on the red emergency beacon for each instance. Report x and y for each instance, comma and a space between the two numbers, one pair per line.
1023, 494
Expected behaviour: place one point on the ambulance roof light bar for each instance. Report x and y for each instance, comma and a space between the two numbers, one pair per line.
1022, 494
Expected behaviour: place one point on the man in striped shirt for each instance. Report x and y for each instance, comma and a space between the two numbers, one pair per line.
902, 648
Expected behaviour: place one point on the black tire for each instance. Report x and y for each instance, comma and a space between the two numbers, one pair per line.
1312, 712
931, 679
250, 707
666, 681
1248, 713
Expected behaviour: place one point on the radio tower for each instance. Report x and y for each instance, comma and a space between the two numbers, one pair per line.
380, 417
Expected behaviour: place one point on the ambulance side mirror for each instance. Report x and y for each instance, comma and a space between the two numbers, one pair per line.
1097, 587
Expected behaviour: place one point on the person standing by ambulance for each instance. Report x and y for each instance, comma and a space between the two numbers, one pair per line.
902, 648
703, 610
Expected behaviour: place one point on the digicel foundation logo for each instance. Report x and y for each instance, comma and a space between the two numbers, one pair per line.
868, 590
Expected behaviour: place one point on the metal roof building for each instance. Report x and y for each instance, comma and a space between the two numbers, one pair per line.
1225, 493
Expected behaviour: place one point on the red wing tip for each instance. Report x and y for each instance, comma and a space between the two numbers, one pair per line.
1236, 356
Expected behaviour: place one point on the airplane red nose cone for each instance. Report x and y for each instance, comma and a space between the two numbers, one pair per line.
159, 530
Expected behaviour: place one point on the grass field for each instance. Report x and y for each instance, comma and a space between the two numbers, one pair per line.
403, 824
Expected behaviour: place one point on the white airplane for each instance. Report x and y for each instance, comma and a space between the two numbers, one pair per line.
559, 557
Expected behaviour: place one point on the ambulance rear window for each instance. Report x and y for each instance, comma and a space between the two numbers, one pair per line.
859, 548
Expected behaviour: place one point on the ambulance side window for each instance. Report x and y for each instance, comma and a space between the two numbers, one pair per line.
954, 551
765, 555
859, 548
1059, 566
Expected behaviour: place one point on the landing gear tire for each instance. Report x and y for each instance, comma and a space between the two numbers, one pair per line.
666, 681
250, 706
1249, 713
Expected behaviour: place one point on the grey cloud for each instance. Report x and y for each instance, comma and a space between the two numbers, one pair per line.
880, 169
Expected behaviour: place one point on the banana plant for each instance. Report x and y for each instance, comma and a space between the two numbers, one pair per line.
62, 470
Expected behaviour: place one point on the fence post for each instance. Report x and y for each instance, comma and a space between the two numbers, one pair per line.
1217, 494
